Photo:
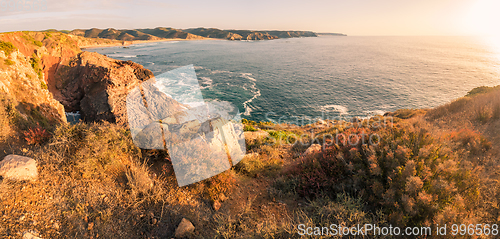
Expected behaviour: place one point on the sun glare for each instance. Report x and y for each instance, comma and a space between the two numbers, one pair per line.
482, 18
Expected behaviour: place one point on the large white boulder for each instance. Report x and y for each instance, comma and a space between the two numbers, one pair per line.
17, 167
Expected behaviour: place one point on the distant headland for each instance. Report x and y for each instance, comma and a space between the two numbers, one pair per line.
161, 33
331, 34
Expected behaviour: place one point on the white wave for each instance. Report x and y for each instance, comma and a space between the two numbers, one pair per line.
122, 55
219, 72
206, 81
246, 104
335, 108
247, 76
375, 112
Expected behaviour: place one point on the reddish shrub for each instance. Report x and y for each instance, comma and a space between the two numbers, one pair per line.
36, 135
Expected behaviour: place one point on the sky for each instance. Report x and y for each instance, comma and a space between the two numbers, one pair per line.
353, 17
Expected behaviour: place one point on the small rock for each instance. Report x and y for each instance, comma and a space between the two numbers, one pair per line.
216, 205
222, 197
315, 148
184, 228
252, 155
17, 167
29, 235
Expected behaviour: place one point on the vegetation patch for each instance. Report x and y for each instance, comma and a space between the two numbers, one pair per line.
35, 64
7, 47
9, 62
481, 90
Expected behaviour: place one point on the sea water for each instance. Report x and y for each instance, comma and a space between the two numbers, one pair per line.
326, 76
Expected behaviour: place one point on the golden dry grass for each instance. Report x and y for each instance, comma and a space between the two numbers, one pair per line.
94, 182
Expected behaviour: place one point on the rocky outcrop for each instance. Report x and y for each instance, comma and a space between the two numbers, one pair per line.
313, 149
291, 34
214, 33
15, 167
22, 87
253, 35
97, 86
169, 33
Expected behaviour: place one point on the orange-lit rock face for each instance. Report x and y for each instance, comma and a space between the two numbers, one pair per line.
97, 86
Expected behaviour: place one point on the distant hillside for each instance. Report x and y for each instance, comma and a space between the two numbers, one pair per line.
135, 34
247, 34
214, 33
290, 34
164, 32
331, 34
192, 33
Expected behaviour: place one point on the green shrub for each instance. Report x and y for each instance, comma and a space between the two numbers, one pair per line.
483, 114
249, 128
8, 62
481, 90
7, 47
255, 165
407, 113
35, 64
38, 43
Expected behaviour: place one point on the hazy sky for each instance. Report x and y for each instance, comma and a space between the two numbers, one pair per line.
354, 17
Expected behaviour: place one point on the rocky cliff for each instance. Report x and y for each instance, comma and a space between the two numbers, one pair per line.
97, 86
24, 96
214, 33
45, 71
247, 34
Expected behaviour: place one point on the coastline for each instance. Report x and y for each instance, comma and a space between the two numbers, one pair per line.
129, 43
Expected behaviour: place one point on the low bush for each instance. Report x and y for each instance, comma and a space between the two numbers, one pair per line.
35, 63
7, 47
249, 128
407, 175
9, 62
36, 135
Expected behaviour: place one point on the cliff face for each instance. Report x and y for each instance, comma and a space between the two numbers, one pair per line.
247, 34
48, 70
24, 94
291, 34
214, 33
97, 86
49, 49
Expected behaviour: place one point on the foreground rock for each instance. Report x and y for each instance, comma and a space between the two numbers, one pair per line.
185, 228
29, 235
97, 86
17, 167
313, 149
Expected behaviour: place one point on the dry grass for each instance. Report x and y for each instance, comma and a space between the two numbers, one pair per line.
94, 182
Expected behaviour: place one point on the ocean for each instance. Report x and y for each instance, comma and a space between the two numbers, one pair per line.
329, 76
